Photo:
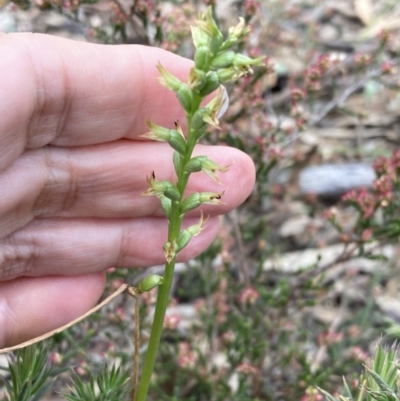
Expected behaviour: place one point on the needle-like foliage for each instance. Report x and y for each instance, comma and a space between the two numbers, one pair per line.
30, 374
111, 384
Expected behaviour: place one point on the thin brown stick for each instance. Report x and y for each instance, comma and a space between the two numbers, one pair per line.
135, 372
120, 290
322, 350
346, 255
121, 9
136, 355
340, 100
243, 265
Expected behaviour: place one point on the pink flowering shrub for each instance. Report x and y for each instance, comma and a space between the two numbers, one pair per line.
377, 207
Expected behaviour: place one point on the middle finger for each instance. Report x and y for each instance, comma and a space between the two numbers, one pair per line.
106, 181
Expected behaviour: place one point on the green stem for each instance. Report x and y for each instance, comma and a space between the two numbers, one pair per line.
156, 331
159, 314
175, 222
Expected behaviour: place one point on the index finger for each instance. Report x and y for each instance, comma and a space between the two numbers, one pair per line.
67, 93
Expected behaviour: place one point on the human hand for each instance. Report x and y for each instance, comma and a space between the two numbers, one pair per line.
72, 167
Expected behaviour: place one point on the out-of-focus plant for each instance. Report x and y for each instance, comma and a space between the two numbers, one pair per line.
111, 384
377, 208
30, 375
380, 380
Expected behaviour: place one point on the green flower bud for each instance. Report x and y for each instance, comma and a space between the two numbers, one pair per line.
229, 74
201, 58
183, 239
203, 163
150, 282
159, 188
200, 38
209, 28
210, 113
194, 164
172, 193
240, 30
157, 132
177, 162
186, 235
196, 199
211, 84
216, 43
190, 202
165, 204
177, 140
211, 198
236, 34
178, 143
223, 59
198, 122
242, 61
197, 79
185, 97
168, 80
207, 24
174, 137
183, 93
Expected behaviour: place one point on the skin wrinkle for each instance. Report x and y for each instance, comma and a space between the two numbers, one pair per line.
43, 195
20, 45
104, 97
65, 182
17, 144
9, 319
113, 113
11, 260
132, 239
57, 118
112, 192
32, 252
60, 184
67, 102
141, 85
17, 208
124, 245
14, 134
39, 102
72, 192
